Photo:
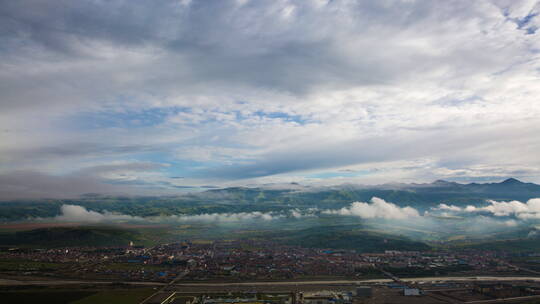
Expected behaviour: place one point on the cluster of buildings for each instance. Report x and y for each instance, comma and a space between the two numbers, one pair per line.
303, 297
374, 293
245, 260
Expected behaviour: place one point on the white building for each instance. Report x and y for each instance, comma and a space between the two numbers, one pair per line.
411, 292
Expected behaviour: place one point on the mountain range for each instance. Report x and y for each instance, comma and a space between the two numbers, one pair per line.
270, 198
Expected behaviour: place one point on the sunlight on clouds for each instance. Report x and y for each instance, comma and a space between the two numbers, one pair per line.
377, 208
524, 211
76, 213
288, 89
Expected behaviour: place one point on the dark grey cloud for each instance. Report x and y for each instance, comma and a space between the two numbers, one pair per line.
108, 179
354, 82
137, 166
459, 148
193, 48
31, 184
74, 150
64, 26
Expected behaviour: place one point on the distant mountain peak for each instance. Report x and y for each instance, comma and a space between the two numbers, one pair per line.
511, 181
442, 182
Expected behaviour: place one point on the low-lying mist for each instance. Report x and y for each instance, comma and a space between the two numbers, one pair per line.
441, 223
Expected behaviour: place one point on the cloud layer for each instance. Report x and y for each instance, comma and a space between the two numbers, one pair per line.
76, 213
377, 214
235, 92
528, 210
377, 208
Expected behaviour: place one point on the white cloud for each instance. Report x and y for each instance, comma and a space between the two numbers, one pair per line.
470, 208
75, 213
225, 217
271, 82
377, 208
297, 213
528, 210
447, 207
510, 223
512, 207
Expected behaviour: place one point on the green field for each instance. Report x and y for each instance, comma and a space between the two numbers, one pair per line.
44, 296
83, 236
24, 265
75, 296
117, 297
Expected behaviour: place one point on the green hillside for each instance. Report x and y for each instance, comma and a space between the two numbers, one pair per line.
70, 237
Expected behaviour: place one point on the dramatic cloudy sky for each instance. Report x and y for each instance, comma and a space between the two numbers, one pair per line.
166, 96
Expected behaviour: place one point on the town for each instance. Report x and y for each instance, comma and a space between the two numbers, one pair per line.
250, 271
246, 260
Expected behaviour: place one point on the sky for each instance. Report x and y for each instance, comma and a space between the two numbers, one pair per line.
163, 97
